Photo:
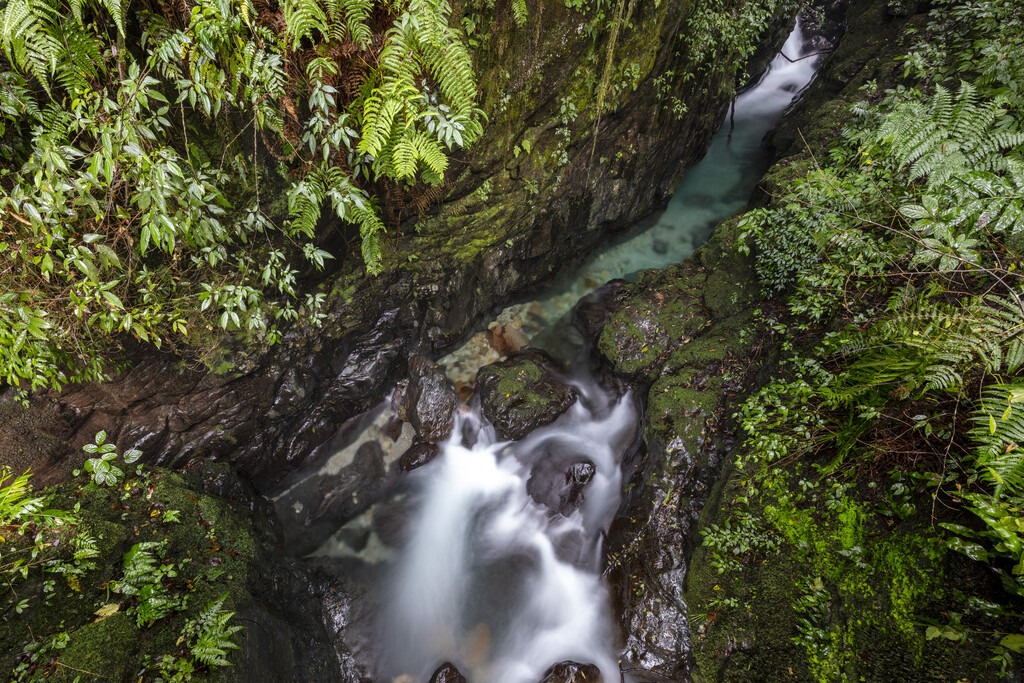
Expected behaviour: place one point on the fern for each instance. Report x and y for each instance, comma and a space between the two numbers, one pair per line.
16, 507
44, 40
519, 12
420, 46
928, 346
947, 135
209, 636
999, 433
303, 19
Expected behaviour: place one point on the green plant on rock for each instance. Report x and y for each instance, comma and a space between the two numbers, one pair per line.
144, 577
102, 469
741, 539
209, 635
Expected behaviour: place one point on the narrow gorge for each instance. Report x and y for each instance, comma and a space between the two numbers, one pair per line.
691, 354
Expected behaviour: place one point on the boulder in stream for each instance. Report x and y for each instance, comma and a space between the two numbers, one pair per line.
418, 455
427, 400
523, 393
447, 673
572, 672
558, 485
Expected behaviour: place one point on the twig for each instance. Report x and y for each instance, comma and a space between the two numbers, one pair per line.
800, 59
91, 673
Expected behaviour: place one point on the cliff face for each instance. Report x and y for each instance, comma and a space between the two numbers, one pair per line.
547, 183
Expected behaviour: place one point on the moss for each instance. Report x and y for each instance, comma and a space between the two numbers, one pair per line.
517, 378
107, 649
841, 597
211, 549
673, 403
634, 340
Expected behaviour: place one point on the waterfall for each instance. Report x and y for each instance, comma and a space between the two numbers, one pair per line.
501, 571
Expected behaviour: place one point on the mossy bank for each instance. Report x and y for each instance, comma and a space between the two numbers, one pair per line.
807, 570
156, 578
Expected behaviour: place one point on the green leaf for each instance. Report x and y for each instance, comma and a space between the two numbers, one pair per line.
113, 300
1014, 642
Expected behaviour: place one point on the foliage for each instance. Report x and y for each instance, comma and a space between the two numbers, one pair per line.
209, 636
420, 42
124, 213
26, 515
742, 536
144, 577
897, 255
140, 553
102, 469
730, 28
17, 509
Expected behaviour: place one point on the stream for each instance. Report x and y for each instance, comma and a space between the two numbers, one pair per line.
489, 556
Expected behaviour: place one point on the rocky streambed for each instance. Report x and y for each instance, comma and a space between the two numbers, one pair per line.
680, 341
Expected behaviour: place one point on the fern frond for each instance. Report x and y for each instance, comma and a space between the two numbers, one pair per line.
519, 12
304, 18
999, 433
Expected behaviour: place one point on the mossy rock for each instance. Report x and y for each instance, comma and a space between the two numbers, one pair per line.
208, 542
107, 649
523, 393
839, 590
663, 310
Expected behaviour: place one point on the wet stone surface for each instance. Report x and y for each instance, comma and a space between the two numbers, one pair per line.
447, 673
523, 393
427, 400
572, 672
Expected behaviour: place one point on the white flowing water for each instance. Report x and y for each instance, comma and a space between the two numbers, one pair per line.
711, 191
498, 565
501, 571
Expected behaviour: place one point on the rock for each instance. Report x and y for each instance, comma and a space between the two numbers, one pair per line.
572, 672
593, 310
522, 393
428, 401
506, 339
418, 455
447, 673
559, 485
664, 310
660, 247
313, 507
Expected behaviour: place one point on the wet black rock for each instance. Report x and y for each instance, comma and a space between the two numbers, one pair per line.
572, 672
559, 486
418, 455
447, 673
523, 393
314, 507
593, 310
428, 400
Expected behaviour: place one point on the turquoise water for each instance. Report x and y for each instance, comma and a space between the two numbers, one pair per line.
711, 191
714, 189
